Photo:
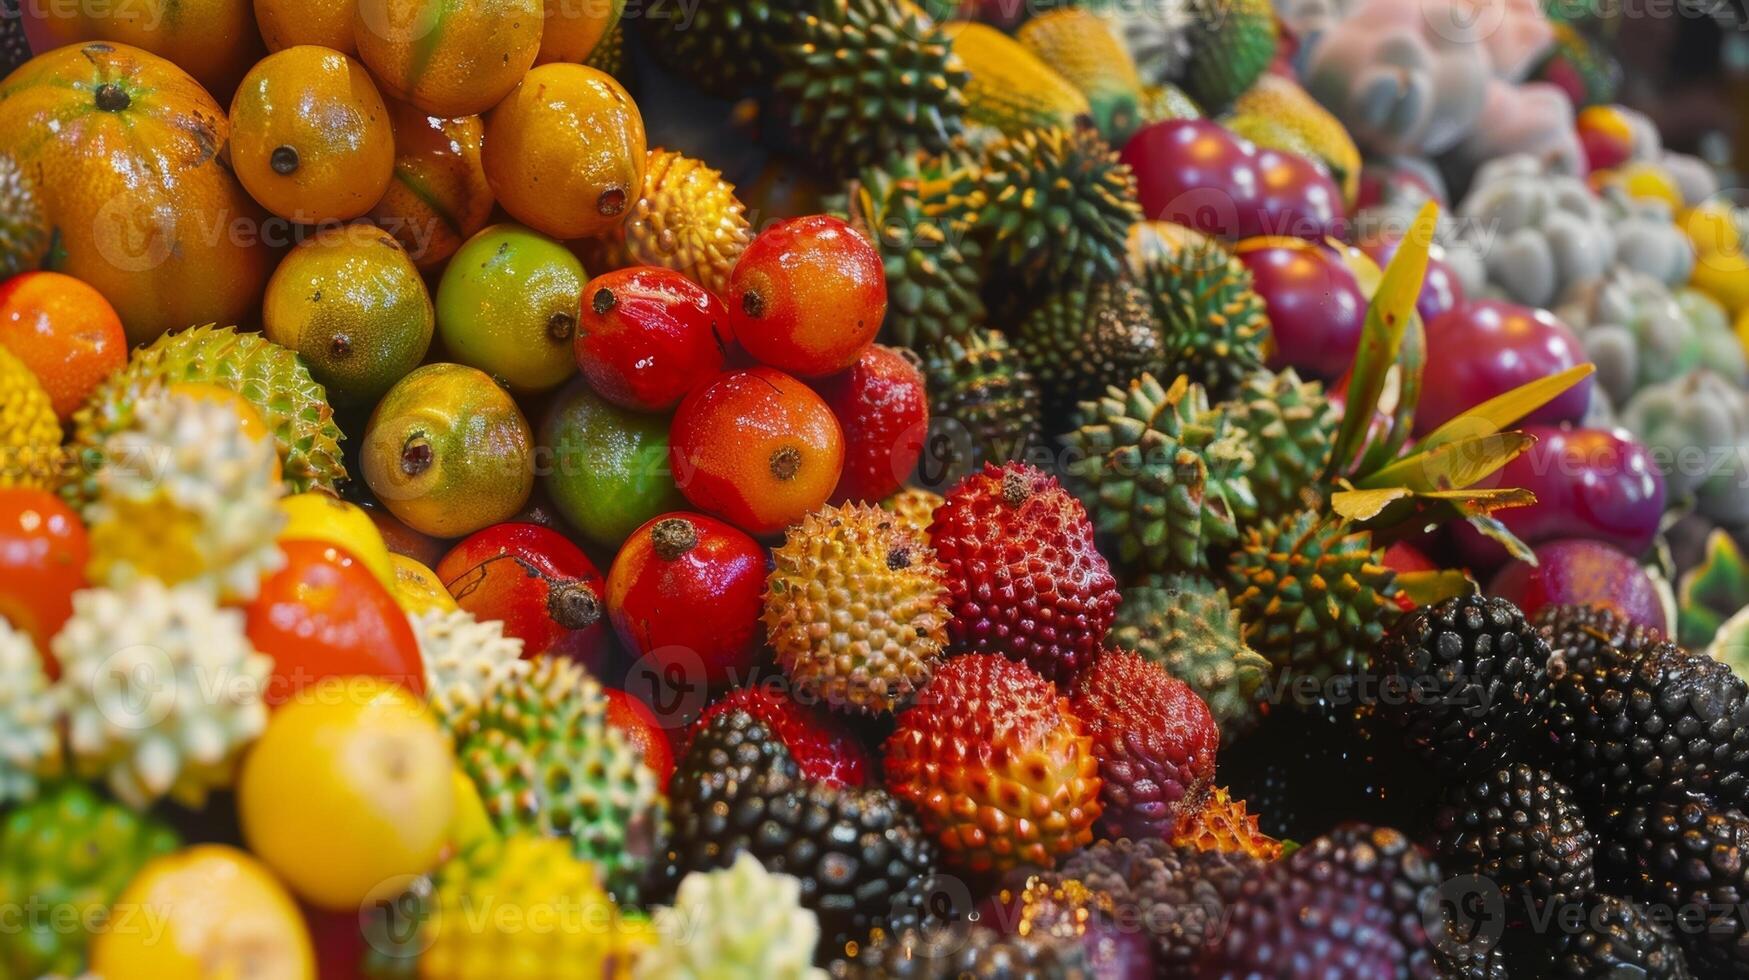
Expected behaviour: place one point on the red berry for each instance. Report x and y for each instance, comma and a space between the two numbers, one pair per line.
649, 335
883, 408
638, 724
542, 587
808, 296
1023, 576
822, 746
685, 592
1155, 741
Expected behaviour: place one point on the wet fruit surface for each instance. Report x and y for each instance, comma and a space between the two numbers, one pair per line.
64, 331
807, 296
448, 58
1488, 347
508, 305
648, 336
438, 197
533, 579
882, 406
606, 467
43, 553
1580, 572
1316, 308
684, 595
285, 23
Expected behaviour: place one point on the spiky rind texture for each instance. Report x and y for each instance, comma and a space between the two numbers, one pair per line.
1084, 339
545, 759
856, 608
933, 267
914, 509
609, 53
514, 908
1224, 824
870, 79
75, 851
24, 229
1188, 625
725, 47
30, 435
737, 923
30, 718
1024, 577
687, 219
1676, 855
1079, 46
1523, 829
1230, 44
997, 764
162, 690
1155, 741
983, 403
186, 495
1619, 938
1162, 473
823, 748
1314, 594
1212, 321
271, 378
1291, 427
464, 659
1010, 89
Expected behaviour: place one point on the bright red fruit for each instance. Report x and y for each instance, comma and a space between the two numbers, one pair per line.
43, 553
685, 592
543, 588
649, 335
883, 408
823, 747
638, 724
808, 296
326, 615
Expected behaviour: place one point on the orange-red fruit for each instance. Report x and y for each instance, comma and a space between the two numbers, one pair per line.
1222, 824
639, 725
535, 581
43, 554
998, 766
883, 407
65, 332
808, 296
757, 448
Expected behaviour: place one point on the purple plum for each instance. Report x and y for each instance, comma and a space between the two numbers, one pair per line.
1487, 347
1195, 172
1440, 290
1581, 572
1316, 307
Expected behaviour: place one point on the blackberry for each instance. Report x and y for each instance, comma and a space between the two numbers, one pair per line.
1521, 828
1383, 866
1576, 633
1617, 938
1463, 681
1685, 855
965, 950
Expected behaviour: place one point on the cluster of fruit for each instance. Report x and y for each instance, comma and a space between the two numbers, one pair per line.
1054, 484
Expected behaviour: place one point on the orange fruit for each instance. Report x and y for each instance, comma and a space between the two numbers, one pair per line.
65, 332
439, 196
310, 136
213, 40
565, 151
448, 57
289, 23
573, 28
145, 209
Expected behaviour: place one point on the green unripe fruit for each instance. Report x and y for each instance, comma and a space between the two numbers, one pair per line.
605, 467
508, 305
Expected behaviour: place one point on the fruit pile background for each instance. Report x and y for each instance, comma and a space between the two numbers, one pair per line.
1197, 488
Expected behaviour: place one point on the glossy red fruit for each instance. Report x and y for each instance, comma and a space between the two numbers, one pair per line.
1581, 573
1316, 306
638, 724
1195, 172
543, 588
1440, 290
822, 745
883, 408
757, 448
43, 554
648, 335
1488, 347
1403, 558
808, 296
685, 592
324, 614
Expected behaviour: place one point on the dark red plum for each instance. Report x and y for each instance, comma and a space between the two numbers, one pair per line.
1197, 173
1316, 307
1581, 572
1488, 347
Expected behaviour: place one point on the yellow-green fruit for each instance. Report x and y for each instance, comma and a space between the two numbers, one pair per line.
30, 436
1081, 48
856, 608
688, 219
417, 588
1011, 89
320, 517
448, 452
1278, 114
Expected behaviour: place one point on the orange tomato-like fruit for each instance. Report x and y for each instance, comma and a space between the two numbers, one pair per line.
448, 57
808, 296
144, 208
310, 136
289, 23
65, 332
565, 151
324, 614
574, 28
43, 554
757, 448
439, 196
639, 725
213, 40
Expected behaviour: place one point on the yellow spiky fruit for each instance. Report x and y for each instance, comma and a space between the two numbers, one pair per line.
688, 219
1278, 114
1224, 825
1081, 47
1011, 89
856, 608
30, 436
914, 509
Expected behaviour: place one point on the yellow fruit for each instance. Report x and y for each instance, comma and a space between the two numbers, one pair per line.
1712, 228
1641, 179
30, 436
1011, 89
319, 517
1743, 329
1724, 276
418, 589
287, 23
204, 913
687, 219
469, 825
1277, 113
351, 786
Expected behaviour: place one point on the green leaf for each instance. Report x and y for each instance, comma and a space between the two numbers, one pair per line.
1436, 585
1364, 505
1453, 466
1498, 412
1491, 527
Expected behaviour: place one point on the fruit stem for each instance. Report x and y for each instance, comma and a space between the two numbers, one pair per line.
1014, 488
673, 537
573, 604
112, 97
786, 462
284, 160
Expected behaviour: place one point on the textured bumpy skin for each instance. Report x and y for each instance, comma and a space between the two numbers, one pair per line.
1010, 88
1467, 678
1677, 855
545, 760
24, 230
870, 79
984, 406
1521, 828
268, 376
1162, 474
1231, 43
964, 950
687, 219
997, 764
822, 747
932, 266
1212, 321
1155, 741
162, 690
1086, 338
724, 47
1315, 595
1080, 47
1291, 427
856, 609
464, 658
185, 495
1619, 939
1024, 578
1188, 625
1578, 633
70, 849
30, 718
914, 510
1223, 824
738, 922
30, 435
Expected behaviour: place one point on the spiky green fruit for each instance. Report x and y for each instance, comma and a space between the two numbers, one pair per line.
30, 718
736, 923
983, 406
1086, 338
1291, 426
869, 79
1081, 47
1161, 473
725, 47
24, 228
1163, 103
1188, 625
933, 266
69, 853
1212, 322
268, 376
1315, 596
1231, 43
